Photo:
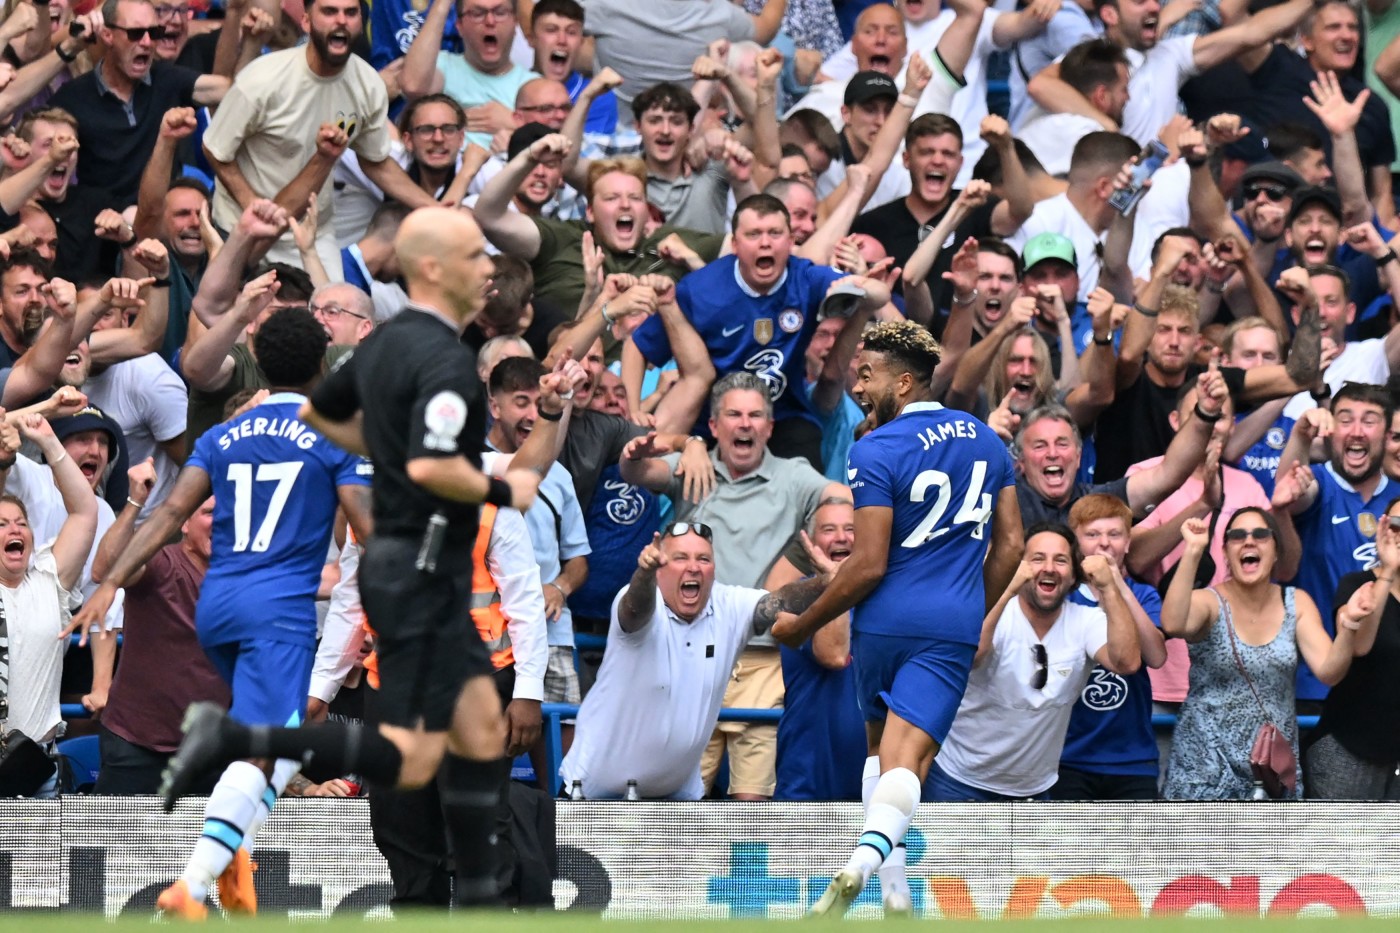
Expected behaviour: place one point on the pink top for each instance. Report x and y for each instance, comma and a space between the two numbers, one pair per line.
1242, 491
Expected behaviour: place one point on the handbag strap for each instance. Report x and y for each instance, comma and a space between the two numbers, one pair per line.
4, 670
1239, 662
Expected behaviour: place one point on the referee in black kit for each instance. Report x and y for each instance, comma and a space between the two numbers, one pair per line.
401, 399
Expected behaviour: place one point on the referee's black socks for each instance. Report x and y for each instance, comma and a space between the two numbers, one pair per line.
470, 792
329, 748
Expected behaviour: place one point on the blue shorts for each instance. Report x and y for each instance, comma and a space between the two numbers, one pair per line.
268, 679
920, 680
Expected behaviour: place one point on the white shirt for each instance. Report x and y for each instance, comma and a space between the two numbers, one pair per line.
150, 402
1008, 736
657, 699
1166, 205
1359, 361
33, 484
1154, 84
35, 612
1058, 215
1052, 137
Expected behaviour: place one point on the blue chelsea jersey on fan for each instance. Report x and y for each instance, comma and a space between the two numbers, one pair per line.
1338, 532
1261, 461
766, 335
274, 482
941, 472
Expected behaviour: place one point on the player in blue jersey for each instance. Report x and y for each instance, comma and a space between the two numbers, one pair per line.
757, 311
1337, 515
933, 488
276, 485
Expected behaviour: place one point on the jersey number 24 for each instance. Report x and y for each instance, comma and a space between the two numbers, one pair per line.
976, 505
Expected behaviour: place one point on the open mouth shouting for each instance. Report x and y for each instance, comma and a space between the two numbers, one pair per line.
1023, 393
1315, 250
557, 64
839, 552
56, 181
626, 226
993, 308
882, 63
90, 464
1149, 29
935, 184
1047, 584
1356, 457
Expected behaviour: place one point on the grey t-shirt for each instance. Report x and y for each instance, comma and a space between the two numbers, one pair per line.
594, 441
650, 41
696, 201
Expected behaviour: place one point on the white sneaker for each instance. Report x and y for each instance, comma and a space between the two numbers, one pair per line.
840, 893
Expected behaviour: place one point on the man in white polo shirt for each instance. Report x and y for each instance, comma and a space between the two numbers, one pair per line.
672, 643
1036, 654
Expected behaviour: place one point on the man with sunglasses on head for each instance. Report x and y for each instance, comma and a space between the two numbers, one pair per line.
1338, 504
674, 638
120, 104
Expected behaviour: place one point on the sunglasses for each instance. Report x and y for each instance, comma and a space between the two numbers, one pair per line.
1242, 534
1274, 193
1042, 667
681, 529
1394, 522
135, 33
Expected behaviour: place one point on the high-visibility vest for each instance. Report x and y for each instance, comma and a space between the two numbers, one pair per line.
485, 605
486, 599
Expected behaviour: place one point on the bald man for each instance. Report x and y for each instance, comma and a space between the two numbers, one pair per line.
403, 400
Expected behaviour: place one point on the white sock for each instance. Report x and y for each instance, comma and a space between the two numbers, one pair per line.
892, 876
868, 779
282, 772
227, 816
891, 810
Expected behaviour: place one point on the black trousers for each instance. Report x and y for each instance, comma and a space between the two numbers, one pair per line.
409, 832
129, 769
1083, 785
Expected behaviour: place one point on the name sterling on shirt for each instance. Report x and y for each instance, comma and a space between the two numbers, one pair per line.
290, 428
954, 429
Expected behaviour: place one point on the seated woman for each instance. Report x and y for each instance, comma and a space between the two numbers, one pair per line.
1245, 636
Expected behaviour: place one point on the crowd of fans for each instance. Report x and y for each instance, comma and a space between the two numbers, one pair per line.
706, 203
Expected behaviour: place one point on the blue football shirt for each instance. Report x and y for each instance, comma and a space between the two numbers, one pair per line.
941, 472
275, 495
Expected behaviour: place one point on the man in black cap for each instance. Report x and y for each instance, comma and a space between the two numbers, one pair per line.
96, 444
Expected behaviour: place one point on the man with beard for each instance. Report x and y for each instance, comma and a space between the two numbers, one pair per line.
912, 659
287, 119
1158, 69
119, 104
1337, 514
616, 216
1098, 69
482, 77
1037, 652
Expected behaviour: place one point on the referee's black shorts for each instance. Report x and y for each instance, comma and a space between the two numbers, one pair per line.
427, 644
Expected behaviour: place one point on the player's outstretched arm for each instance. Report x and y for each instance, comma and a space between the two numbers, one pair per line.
857, 576
1007, 544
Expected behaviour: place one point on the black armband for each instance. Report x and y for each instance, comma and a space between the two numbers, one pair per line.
1206, 416
498, 493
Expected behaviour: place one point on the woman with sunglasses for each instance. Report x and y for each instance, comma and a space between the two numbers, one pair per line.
1263, 624
1355, 752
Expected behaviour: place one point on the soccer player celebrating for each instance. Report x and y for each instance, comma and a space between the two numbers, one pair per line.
276, 486
926, 482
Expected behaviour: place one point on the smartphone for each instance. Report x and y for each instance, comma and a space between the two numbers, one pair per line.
1125, 199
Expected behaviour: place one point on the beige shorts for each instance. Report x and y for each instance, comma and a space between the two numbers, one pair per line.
757, 683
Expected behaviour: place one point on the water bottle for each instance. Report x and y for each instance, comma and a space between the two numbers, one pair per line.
1259, 793
576, 790
632, 793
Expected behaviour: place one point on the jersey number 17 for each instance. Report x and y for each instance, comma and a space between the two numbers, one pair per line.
241, 475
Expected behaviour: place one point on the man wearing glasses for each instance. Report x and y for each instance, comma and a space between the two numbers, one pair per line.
120, 104
1035, 657
483, 77
344, 311
674, 637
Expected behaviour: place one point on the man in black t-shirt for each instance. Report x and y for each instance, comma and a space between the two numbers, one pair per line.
933, 157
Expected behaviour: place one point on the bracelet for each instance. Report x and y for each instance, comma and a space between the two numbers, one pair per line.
1145, 312
604, 311
1196, 163
128, 244
67, 57
498, 493
1207, 418
59, 459
559, 588
1387, 257
1354, 626
696, 437
908, 100
131, 501
962, 304
554, 416
1103, 341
